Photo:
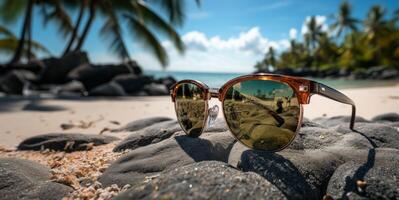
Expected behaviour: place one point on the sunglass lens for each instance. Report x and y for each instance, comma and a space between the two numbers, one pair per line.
262, 114
190, 108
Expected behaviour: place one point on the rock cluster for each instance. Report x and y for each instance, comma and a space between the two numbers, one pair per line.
327, 160
74, 75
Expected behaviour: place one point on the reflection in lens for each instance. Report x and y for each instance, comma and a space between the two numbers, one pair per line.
262, 114
190, 108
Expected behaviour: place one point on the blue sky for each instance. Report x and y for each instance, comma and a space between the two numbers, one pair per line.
221, 35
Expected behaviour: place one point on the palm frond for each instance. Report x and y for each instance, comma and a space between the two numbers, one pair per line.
59, 15
7, 33
175, 10
11, 10
148, 39
112, 29
161, 25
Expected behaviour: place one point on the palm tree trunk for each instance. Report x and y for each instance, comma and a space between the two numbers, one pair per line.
75, 29
87, 27
29, 52
19, 50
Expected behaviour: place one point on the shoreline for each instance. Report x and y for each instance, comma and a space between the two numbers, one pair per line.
23, 117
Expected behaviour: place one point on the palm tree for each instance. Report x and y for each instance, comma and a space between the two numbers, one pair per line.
140, 20
270, 57
12, 9
344, 20
314, 32
9, 43
375, 28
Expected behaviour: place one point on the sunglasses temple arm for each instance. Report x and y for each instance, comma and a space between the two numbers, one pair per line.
323, 90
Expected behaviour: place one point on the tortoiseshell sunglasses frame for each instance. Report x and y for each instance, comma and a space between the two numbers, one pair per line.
303, 88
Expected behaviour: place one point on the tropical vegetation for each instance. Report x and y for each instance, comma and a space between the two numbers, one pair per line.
139, 16
348, 43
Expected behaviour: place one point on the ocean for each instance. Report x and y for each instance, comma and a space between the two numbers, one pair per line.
218, 79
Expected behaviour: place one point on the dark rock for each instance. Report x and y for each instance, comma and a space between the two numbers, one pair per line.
380, 135
71, 88
320, 138
94, 75
141, 123
168, 154
15, 81
108, 89
57, 69
205, 180
156, 89
64, 141
337, 120
389, 74
132, 83
381, 180
298, 174
150, 135
392, 117
167, 81
23, 179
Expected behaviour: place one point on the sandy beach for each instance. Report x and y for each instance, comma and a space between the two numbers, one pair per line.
21, 117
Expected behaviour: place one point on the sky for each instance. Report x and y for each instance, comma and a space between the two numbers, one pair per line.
220, 35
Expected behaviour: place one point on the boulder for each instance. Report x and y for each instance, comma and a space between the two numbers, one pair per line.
337, 120
177, 151
150, 135
23, 179
154, 89
141, 123
93, 75
392, 117
16, 81
371, 179
57, 69
64, 141
204, 180
167, 81
108, 89
132, 83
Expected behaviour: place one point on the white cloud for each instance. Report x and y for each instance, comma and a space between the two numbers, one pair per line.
251, 41
320, 21
293, 33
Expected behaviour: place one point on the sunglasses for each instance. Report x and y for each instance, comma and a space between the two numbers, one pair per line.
262, 111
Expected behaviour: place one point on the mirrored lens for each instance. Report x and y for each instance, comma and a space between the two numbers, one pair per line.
262, 114
190, 108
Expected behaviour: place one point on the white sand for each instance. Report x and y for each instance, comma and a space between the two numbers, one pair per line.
17, 123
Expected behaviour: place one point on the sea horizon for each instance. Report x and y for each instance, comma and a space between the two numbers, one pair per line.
217, 79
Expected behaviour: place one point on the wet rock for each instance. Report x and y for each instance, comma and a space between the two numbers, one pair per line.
371, 179
154, 89
337, 120
168, 154
108, 89
23, 179
392, 117
132, 83
95, 75
150, 135
57, 69
141, 123
15, 81
380, 135
205, 180
308, 123
64, 141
